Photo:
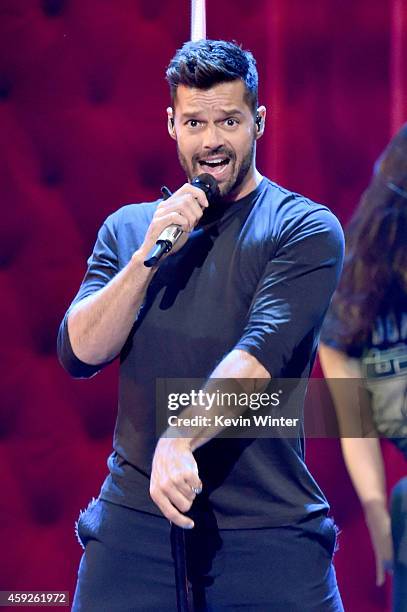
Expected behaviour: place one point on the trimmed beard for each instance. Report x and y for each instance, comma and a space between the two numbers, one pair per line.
230, 187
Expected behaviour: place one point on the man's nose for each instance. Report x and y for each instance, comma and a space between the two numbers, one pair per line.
213, 138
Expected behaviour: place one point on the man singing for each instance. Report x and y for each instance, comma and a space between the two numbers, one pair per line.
242, 295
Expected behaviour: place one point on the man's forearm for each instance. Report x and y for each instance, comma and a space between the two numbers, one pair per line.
99, 324
241, 373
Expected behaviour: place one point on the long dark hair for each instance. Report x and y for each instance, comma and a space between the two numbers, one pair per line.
376, 249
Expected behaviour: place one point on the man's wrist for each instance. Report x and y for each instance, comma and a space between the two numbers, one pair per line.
176, 433
137, 273
137, 261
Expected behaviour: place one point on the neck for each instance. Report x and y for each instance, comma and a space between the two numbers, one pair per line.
251, 181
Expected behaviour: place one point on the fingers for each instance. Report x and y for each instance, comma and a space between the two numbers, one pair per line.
164, 219
196, 193
193, 481
185, 204
178, 489
187, 491
184, 208
171, 513
379, 572
190, 486
383, 566
174, 480
172, 502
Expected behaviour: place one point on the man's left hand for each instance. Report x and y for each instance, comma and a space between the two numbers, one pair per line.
174, 480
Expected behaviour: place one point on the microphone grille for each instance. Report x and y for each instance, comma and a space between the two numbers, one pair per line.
208, 184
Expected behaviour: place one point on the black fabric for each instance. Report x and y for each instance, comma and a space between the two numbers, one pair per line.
383, 363
259, 277
127, 565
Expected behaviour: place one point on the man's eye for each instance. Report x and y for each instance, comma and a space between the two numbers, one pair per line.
231, 122
193, 123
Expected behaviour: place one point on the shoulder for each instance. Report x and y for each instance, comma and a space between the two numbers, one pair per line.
295, 216
131, 214
124, 230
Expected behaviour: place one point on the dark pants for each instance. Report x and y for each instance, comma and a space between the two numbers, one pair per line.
127, 565
399, 531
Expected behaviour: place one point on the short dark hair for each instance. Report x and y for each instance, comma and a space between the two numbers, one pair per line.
205, 63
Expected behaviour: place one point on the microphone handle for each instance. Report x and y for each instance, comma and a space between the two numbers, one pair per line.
170, 235
166, 239
158, 250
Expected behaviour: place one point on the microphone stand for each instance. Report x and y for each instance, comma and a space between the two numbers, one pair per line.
180, 566
162, 246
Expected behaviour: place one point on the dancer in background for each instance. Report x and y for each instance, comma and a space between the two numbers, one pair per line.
365, 336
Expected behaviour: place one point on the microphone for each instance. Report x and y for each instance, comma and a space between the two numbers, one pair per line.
170, 235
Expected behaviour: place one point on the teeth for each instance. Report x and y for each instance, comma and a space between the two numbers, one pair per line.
210, 162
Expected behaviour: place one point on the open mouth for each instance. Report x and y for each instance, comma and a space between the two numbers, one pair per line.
214, 166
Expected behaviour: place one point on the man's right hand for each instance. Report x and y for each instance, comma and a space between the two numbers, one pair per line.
184, 208
99, 325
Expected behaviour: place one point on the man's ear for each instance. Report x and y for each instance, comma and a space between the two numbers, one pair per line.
171, 123
260, 121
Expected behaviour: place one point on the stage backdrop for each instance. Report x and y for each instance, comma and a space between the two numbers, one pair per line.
83, 131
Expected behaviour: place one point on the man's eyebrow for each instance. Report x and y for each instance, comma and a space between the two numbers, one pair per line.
190, 114
232, 111
225, 111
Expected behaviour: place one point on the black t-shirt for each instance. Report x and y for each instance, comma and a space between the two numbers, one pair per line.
383, 364
259, 278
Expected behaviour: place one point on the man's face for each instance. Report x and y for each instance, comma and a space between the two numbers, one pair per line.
215, 133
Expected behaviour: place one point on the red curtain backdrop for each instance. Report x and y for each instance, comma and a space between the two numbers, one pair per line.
83, 130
